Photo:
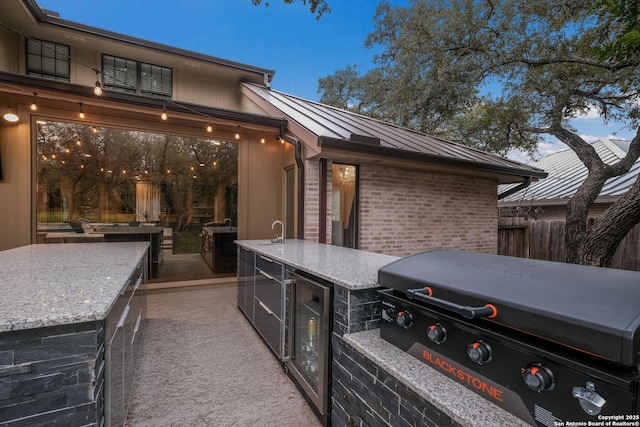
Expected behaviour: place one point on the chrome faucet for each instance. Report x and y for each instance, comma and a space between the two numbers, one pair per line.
278, 239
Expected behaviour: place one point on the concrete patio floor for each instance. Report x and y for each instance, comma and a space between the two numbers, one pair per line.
203, 364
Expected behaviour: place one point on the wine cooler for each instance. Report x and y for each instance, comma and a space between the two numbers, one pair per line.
309, 339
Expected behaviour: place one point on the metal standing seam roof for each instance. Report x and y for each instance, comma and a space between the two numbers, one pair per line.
331, 122
567, 172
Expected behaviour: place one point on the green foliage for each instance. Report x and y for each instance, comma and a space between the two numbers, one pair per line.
623, 44
317, 7
490, 74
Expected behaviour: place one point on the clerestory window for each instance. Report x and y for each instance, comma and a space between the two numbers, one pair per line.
127, 75
47, 59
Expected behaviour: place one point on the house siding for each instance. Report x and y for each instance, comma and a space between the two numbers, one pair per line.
404, 212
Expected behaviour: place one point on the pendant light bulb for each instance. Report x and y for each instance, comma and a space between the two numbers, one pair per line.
262, 139
81, 113
238, 133
97, 89
34, 106
209, 128
164, 116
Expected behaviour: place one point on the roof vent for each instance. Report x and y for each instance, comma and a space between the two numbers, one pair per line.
364, 139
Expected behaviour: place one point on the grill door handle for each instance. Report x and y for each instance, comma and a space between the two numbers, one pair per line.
465, 311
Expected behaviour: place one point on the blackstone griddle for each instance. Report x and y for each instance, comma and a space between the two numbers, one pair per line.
550, 342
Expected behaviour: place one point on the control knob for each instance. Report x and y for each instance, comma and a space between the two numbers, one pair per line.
538, 378
437, 334
479, 352
404, 319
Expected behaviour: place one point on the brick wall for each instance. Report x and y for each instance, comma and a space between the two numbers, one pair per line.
312, 200
403, 212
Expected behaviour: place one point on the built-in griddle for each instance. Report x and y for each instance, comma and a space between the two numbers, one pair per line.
550, 342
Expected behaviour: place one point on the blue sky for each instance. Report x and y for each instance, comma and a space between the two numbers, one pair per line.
284, 38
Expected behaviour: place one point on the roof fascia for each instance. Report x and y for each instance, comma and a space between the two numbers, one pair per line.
29, 83
553, 202
364, 148
41, 16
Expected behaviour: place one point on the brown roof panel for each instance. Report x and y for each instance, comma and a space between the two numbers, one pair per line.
328, 122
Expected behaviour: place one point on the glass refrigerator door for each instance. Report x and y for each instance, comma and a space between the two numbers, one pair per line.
309, 348
307, 312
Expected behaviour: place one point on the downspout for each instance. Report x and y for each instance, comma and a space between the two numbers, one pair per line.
525, 184
300, 163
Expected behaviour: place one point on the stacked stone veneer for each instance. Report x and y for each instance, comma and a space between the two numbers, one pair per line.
52, 376
363, 393
407, 211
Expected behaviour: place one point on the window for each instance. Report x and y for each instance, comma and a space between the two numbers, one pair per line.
131, 76
48, 60
344, 205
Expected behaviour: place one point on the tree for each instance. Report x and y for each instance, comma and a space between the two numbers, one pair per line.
497, 74
317, 7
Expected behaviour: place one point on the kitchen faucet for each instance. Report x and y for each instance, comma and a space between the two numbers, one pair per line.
278, 239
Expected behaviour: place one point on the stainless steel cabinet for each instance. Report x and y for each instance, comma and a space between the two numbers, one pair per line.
246, 277
269, 303
261, 293
123, 338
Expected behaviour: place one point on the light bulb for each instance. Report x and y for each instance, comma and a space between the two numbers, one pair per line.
97, 90
81, 113
209, 128
10, 116
164, 116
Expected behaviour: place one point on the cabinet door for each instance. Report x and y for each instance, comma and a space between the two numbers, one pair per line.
268, 285
116, 353
269, 326
243, 254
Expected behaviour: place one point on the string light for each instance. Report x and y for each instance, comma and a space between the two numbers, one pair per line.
164, 116
238, 133
97, 90
34, 106
209, 128
262, 138
81, 113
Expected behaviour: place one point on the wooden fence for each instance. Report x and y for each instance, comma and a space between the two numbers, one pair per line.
544, 239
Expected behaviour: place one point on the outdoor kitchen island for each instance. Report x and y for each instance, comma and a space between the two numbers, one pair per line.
371, 382
71, 324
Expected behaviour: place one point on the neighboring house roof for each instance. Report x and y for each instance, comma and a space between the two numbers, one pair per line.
335, 128
567, 172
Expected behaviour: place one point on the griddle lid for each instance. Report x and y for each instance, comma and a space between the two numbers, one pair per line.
592, 309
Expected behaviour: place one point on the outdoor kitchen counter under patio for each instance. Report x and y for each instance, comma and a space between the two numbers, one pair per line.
372, 381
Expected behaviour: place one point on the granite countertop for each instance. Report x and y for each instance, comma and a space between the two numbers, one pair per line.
50, 285
350, 268
460, 403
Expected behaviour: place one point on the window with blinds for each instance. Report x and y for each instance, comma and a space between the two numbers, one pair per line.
127, 75
48, 60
